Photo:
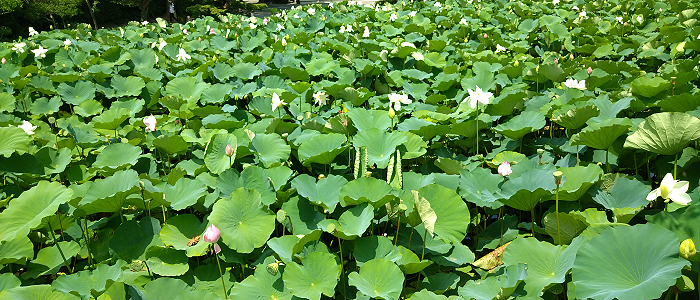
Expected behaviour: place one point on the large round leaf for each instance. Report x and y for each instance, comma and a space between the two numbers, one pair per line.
25, 213
34, 292
665, 133
365, 189
452, 213
166, 261
132, 238
495, 287
318, 274
186, 88
365, 119
625, 193
575, 117
172, 144
117, 155
522, 124
262, 285
601, 135
13, 139
546, 263
16, 250
184, 193
380, 145
109, 194
183, 232
111, 119
87, 282
526, 191
49, 260
354, 222
270, 149
628, 263
378, 278
683, 222
324, 192
77, 93
243, 222
322, 148
578, 180
303, 215
215, 157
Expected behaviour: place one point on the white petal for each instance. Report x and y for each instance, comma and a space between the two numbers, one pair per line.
668, 181
654, 194
680, 197
681, 186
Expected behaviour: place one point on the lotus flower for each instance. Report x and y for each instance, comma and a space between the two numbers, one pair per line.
574, 84
150, 123
212, 234
4, 60
478, 95
589, 70
276, 102
463, 21
687, 249
212, 32
320, 98
32, 31
500, 48
182, 55
504, 169
67, 42
393, 17
40, 52
27, 127
229, 150
397, 99
19, 47
671, 189
366, 33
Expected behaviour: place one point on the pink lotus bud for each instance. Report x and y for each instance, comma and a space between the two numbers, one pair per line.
504, 169
229, 150
589, 70
660, 10
4, 60
625, 24
150, 123
264, 21
571, 56
486, 36
556, 61
212, 32
199, 39
212, 234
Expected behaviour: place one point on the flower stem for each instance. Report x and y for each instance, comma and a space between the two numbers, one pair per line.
65, 261
222, 276
477, 128
675, 165
557, 212
342, 272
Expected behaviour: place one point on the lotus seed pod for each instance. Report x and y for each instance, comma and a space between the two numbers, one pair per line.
281, 216
540, 152
687, 249
557, 177
272, 268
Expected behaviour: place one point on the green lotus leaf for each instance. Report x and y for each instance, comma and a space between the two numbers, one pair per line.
9, 281
26, 211
378, 278
222, 71
498, 286
207, 278
252, 177
270, 149
303, 216
16, 250
283, 246
681, 222
577, 181
597, 222
424, 128
262, 285
143, 58
7, 102
452, 213
90, 283
426, 295
508, 100
242, 220
621, 263
458, 256
115, 156
679, 103
498, 233
372, 247
171, 144
49, 260
321, 64
575, 117
380, 145
317, 275
322, 148
665, 133
546, 264
601, 135
13, 139
354, 222
166, 261
427, 215
216, 93
440, 282
522, 124
184, 193
185, 88
181, 233
111, 119
126, 86
34, 292
109, 194
409, 262
365, 189
649, 87
165, 288
215, 157
435, 59
246, 70
479, 186
76, 93
553, 72
364, 119
324, 193
569, 227
132, 238
625, 193
51, 160
526, 191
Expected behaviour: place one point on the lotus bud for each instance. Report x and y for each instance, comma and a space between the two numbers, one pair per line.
660, 10
687, 249
486, 36
212, 234
571, 56
557, 177
4, 60
229, 150
589, 70
504, 169
516, 63
392, 113
556, 60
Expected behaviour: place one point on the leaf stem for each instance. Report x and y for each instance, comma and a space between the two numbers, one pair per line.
65, 261
221, 274
342, 271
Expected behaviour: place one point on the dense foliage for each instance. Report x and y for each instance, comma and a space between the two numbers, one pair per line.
423, 150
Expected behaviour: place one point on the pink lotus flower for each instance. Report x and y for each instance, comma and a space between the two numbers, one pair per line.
589, 70
212, 32
229, 152
556, 60
150, 123
504, 169
212, 234
486, 36
4, 60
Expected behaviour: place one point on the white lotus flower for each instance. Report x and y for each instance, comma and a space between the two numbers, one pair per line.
574, 84
408, 44
67, 42
284, 42
182, 55
478, 95
555, 2
393, 17
19, 47
27, 127
161, 45
412, 14
418, 56
348, 28
398, 99
276, 102
640, 19
582, 14
366, 34
320, 98
40, 52
500, 48
619, 19
463, 21
574, 7
253, 26
32, 31
438, 4
671, 189
280, 27
311, 11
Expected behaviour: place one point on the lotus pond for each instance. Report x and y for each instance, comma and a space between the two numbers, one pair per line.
422, 150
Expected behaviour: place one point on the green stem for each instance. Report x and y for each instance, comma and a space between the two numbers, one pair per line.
532, 213
342, 271
65, 261
675, 165
477, 128
221, 274
87, 242
425, 237
556, 201
398, 226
